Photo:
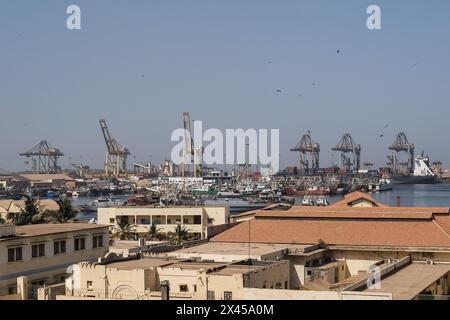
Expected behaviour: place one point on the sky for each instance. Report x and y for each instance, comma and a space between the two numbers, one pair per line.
141, 64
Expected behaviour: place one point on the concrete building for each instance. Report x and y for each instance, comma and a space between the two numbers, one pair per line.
43, 252
199, 221
140, 278
43, 180
341, 242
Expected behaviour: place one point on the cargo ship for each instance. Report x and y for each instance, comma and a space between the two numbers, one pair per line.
422, 173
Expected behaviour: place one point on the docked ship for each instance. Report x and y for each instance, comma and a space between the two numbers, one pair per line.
422, 173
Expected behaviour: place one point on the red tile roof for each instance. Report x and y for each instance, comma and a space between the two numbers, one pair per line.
357, 196
351, 213
356, 232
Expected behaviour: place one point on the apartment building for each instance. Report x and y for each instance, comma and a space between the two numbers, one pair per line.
199, 221
43, 252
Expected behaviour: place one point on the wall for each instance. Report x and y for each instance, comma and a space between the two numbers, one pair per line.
267, 294
107, 282
50, 266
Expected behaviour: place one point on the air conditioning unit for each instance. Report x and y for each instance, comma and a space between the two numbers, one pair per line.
429, 261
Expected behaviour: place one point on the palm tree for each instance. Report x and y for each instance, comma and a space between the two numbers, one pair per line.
180, 234
153, 232
124, 230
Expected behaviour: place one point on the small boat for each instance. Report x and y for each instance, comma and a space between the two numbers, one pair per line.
307, 201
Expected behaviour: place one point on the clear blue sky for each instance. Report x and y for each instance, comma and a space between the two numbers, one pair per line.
210, 58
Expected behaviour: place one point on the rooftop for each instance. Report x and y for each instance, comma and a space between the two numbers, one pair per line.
43, 177
144, 263
230, 248
395, 233
48, 229
410, 281
366, 226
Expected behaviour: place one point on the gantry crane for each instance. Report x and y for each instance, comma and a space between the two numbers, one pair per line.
345, 146
44, 158
401, 144
190, 149
309, 151
116, 155
82, 169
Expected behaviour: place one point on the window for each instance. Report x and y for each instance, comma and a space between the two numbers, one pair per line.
111, 220
169, 221
97, 241
186, 221
37, 250
59, 247
12, 290
89, 285
285, 284
195, 288
210, 220
80, 244
184, 288
14, 254
197, 219
227, 295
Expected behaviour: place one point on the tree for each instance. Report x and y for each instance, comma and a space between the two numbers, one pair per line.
180, 234
123, 230
153, 232
29, 215
2, 221
66, 211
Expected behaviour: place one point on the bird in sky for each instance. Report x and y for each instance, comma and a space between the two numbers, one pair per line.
278, 91
338, 51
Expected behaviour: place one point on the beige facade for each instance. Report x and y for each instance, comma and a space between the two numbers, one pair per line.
43, 253
141, 279
195, 219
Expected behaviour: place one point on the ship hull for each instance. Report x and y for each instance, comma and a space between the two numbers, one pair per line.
414, 179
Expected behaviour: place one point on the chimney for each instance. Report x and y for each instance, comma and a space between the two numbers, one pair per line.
398, 202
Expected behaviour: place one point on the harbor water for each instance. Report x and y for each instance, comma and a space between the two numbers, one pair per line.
434, 195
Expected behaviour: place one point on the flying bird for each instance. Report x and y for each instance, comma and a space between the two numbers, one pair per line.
278, 91
338, 51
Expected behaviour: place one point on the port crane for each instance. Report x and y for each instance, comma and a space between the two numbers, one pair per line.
309, 151
116, 154
190, 149
345, 146
44, 158
82, 170
401, 144
142, 168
